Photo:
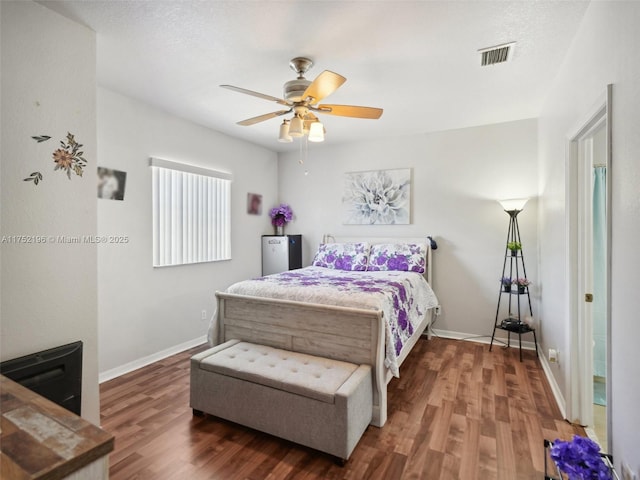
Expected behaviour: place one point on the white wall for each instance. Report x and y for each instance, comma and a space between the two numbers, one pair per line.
604, 51
457, 177
142, 310
48, 88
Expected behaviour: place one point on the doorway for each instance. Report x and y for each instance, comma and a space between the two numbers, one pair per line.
588, 205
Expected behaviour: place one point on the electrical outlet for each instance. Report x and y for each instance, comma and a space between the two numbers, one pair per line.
553, 355
627, 474
204, 315
438, 310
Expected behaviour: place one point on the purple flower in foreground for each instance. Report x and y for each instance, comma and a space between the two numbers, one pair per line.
580, 459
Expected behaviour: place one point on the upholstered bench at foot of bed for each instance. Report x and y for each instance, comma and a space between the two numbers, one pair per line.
317, 402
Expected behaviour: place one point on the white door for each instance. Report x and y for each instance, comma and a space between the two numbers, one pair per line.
589, 264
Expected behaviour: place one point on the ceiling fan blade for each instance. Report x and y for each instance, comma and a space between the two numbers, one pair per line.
325, 84
256, 94
350, 111
262, 118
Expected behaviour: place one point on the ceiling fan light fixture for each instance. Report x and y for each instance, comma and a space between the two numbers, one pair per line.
296, 127
302, 97
284, 136
316, 132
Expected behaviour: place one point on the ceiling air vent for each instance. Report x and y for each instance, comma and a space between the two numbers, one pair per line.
498, 54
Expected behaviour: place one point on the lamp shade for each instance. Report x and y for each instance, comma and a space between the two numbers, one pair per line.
284, 136
513, 204
316, 132
296, 127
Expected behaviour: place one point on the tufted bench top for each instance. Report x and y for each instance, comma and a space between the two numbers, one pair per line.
306, 375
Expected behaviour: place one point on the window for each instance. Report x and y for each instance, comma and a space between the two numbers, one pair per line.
191, 214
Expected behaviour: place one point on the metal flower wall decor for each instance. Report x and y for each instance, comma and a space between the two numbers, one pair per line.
381, 197
68, 158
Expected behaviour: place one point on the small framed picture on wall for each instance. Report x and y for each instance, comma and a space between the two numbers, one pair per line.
111, 183
254, 204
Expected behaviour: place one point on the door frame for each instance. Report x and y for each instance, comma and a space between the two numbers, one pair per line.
580, 374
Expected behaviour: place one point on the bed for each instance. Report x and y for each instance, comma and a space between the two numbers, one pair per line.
354, 308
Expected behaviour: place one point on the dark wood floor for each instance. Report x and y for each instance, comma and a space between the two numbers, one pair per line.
457, 412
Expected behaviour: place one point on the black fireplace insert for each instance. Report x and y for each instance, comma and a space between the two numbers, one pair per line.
56, 374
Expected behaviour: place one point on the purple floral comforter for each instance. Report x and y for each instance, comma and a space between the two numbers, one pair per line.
403, 297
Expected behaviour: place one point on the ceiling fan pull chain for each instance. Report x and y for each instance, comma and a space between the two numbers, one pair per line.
301, 160
306, 143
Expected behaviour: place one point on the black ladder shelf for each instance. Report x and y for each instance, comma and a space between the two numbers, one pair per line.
513, 322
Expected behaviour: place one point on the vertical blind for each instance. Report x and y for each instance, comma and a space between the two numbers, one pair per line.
191, 214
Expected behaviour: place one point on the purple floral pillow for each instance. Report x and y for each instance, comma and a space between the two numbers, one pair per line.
406, 257
342, 256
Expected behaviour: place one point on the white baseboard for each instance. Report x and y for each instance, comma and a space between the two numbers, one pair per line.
500, 341
555, 388
144, 361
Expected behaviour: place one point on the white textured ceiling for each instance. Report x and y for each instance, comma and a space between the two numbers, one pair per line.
416, 59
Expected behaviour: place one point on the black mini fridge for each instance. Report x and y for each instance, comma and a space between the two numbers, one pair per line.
281, 253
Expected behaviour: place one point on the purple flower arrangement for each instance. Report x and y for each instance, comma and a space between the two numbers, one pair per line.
281, 215
580, 459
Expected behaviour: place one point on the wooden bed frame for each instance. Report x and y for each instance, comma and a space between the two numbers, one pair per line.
350, 334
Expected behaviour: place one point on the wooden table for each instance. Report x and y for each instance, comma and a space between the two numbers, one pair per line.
41, 440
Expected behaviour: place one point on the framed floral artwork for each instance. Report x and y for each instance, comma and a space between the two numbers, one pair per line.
379, 197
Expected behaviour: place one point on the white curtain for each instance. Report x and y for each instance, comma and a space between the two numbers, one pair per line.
191, 214
600, 271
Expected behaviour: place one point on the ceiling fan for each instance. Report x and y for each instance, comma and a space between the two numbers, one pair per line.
301, 96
